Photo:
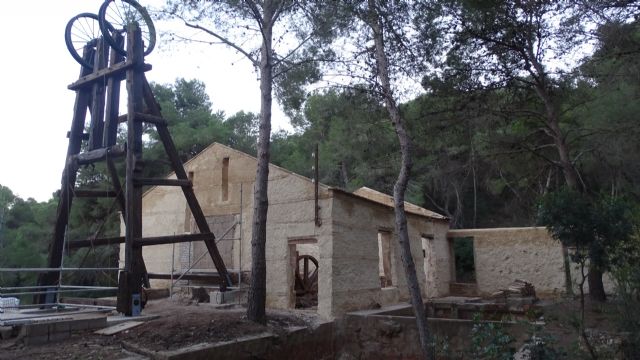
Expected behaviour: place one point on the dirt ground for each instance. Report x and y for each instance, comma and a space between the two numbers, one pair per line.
562, 319
181, 323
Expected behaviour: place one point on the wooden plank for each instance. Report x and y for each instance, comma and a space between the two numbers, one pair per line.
161, 182
113, 99
96, 126
111, 330
117, 71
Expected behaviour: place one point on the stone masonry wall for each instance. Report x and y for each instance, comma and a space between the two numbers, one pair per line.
291, 216
505, 254
355, 272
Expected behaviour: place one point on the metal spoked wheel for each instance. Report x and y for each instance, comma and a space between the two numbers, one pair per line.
116, 15
306, 281
82, 30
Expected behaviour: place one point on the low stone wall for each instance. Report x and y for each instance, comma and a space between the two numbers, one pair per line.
298, 343
370, 335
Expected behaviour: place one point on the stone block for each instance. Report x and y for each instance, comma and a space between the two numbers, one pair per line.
60, 327
6, 332
35, 330
88, 323
36, 340
229, 297
53, 337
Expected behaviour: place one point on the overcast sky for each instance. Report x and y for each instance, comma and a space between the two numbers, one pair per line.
37, 106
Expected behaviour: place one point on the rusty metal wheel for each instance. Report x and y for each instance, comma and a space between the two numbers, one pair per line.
306, 283
82, 30
115, 15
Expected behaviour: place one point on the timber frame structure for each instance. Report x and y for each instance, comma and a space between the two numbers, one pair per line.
99, 92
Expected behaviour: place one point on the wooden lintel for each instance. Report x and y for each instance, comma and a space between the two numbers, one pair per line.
83, 193
172, 239
161, 182
93, 156
117, 72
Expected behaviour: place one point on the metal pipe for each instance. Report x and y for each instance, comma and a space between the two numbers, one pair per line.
206, 287
56, 269
25, 287
27, 306
51, 286
58, 291
87, 287
88, 306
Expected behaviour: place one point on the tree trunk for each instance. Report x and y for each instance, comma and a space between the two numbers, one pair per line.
596, 287
569, 172
344, 174
258, 289
568, 283
401, 184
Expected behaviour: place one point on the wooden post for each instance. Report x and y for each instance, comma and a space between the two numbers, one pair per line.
97, 98
130, 281
113, 100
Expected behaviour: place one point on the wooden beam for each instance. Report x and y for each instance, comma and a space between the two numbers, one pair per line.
161, 182
139, 242
152, 119
194, 206
145, 117
132, 278
117, 72
93, 156
96, 127
172, 239
113, 99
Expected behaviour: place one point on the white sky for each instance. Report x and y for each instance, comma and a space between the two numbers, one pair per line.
37, 106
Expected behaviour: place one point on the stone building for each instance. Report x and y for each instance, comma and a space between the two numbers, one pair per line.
349, 246
352, 239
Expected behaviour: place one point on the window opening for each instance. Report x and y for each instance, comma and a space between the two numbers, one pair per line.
384, 258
